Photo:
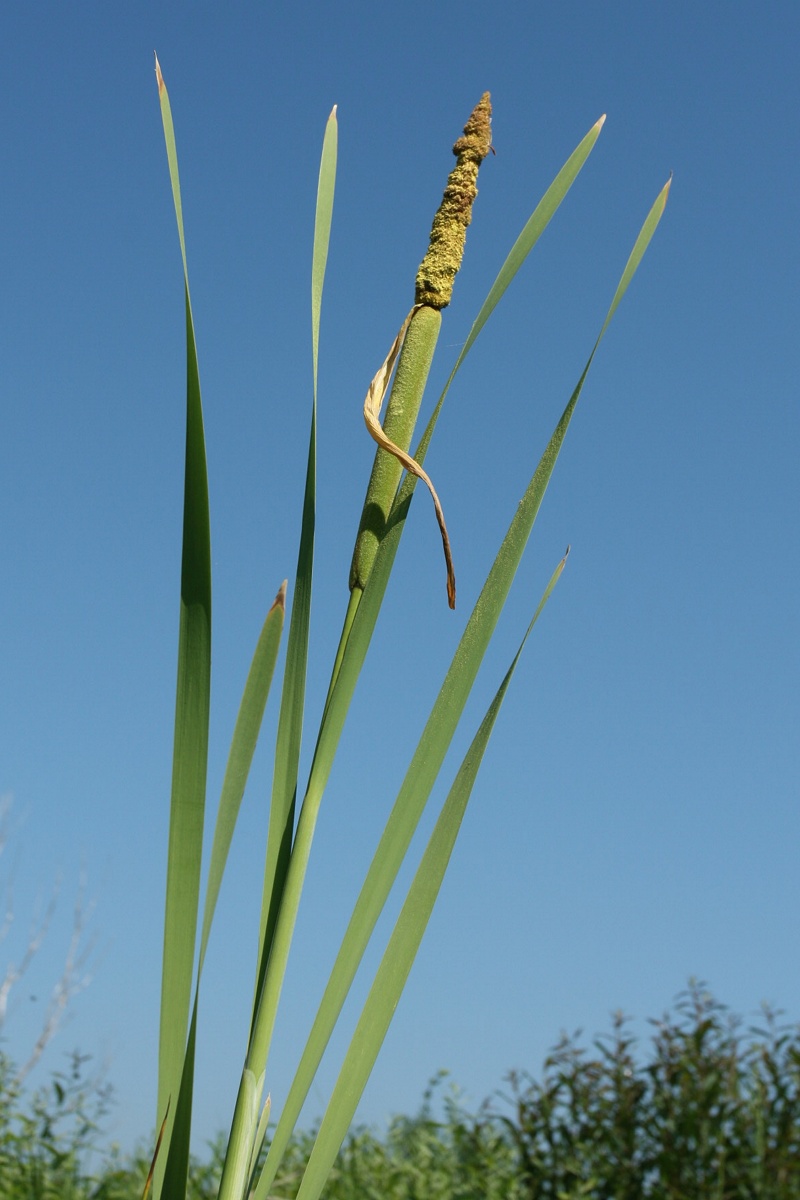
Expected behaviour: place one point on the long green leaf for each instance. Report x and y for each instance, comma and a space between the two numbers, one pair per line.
240, 757
403, 945
242, 748
534, 228
290, 724
189, 756
243, 744
441, 724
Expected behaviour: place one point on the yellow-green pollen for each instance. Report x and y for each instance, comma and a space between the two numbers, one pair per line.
449, 230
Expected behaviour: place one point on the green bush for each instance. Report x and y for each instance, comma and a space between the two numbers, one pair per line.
711, 1111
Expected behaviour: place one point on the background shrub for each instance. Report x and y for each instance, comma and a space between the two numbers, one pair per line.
710, 1111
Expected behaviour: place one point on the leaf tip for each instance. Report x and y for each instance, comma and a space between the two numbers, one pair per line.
332, 117
663, 195
601, 122
159, 76
280, 599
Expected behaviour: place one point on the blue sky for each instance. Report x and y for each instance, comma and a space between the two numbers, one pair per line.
637, 817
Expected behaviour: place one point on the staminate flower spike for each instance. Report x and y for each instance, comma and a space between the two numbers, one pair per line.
440, 265
415, 345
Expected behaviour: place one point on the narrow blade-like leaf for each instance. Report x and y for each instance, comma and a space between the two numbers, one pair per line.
190, 752
534, 228
240, 757
290, 724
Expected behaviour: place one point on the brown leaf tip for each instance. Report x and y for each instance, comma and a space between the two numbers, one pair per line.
159, 76
280, 599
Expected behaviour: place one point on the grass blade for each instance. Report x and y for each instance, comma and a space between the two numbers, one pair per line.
243, 745
441, 724
148, 1181
190, 751
290, 723
403, 945
534, 228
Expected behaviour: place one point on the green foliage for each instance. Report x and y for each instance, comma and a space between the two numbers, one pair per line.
460, 1157
47, 1137
712, 1111
708, 1109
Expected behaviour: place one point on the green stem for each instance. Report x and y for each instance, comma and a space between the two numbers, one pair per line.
402, 410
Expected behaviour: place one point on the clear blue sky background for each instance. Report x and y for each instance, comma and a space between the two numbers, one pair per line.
637, 818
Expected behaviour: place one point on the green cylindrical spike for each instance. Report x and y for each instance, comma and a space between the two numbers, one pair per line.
401, 416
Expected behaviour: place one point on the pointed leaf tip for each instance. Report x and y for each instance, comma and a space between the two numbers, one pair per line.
159, 76
333, 112
663, 195
601, 122
280, 599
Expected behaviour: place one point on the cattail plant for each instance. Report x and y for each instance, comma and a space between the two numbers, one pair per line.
247, 1172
